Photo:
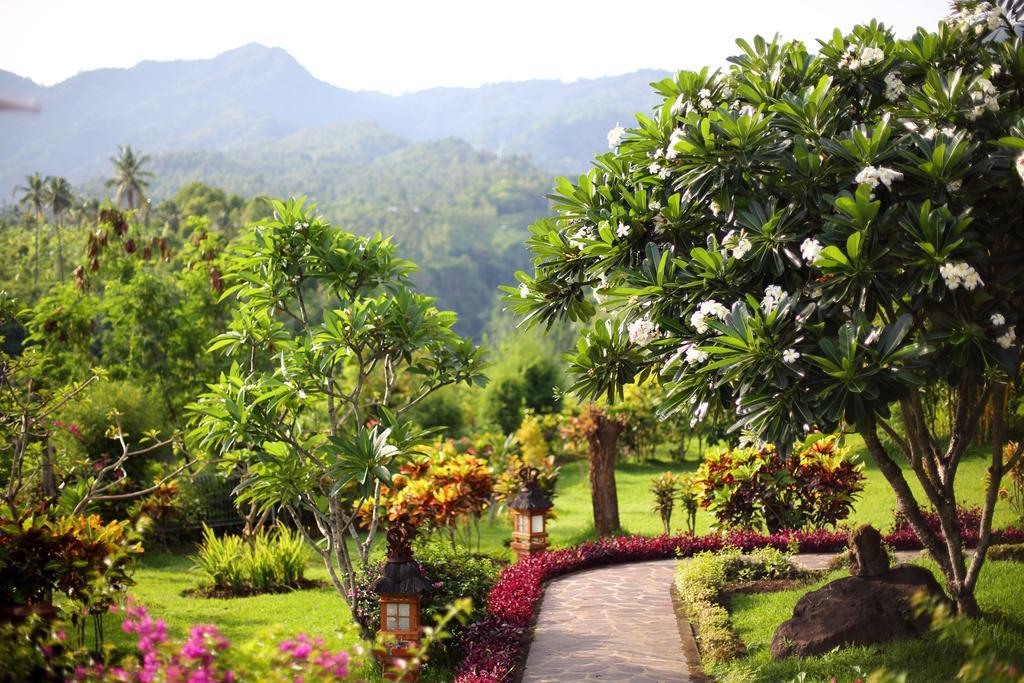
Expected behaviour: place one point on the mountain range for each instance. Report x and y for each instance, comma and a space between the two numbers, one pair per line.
255, 94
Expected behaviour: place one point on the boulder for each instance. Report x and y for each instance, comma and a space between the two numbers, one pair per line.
857, 610
867, 555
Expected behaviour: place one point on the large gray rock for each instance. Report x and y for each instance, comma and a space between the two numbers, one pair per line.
856, 610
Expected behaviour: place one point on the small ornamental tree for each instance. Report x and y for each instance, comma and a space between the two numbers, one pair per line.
811, 241
312, 410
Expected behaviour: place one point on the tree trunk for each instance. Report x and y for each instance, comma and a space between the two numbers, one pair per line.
603, 443
936, 472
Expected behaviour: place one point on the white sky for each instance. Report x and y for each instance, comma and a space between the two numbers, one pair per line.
399, 45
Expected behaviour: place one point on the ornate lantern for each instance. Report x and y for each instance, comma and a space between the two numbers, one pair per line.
399, 590
529, 515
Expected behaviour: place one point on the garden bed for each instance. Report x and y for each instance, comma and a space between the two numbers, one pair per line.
250, 591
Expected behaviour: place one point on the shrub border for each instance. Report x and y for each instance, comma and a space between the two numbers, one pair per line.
494, 646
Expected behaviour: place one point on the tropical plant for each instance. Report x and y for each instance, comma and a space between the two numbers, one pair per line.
689, 500
130, 180
747, 488
33, 200
59, 198
268, 561
439, 489
664, 487
807, 240
310, 410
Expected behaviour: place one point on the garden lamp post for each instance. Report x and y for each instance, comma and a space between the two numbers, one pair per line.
529, 515
399, 590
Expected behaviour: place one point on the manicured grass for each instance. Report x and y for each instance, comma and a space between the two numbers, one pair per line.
161, 579
756, 616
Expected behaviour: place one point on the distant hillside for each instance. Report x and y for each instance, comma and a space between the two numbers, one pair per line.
459, 212
255, 94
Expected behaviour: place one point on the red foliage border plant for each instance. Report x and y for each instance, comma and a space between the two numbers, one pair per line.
494, 645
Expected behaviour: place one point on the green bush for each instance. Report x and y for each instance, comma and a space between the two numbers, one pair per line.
503, 404
441, 410
88, 419
269, 562
542, 386
455, 574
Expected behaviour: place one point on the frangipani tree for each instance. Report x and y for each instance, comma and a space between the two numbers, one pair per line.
312, 409
812, 241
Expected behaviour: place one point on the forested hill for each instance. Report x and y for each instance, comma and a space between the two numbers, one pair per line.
459, 212
255, 93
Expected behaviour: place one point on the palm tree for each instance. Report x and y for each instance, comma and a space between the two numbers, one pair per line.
33, 198
129, 178
59, 199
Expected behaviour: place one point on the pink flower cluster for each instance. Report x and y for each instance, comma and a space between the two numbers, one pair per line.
302, 648
205, 657
493, 645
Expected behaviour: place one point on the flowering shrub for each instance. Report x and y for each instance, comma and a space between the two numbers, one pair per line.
493, 644
755, 487
206, 656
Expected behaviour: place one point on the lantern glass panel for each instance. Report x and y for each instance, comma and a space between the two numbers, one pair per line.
403, 609
522, 523
403, 623
391, 623
538, 524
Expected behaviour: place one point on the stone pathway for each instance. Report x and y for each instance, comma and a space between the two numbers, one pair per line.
617, 624
609, 624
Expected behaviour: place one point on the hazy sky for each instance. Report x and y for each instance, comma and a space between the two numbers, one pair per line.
397, 46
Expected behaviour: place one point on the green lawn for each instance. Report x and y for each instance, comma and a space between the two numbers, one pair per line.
162, 578
927, 660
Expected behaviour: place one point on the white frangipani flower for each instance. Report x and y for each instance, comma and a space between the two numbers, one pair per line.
655, 205
998, 319
695, 356
615, 136
1007, 338
810, 249
894, 87
790, 356
524, 291
772, 296
623, 230
960, 274
872, 176
643, 331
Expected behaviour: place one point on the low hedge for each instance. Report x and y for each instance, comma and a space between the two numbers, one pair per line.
700, 582
493, 645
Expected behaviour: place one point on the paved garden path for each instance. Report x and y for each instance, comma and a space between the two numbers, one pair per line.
617, 624
609, 624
